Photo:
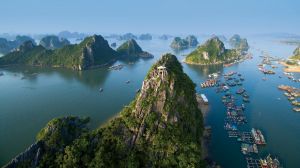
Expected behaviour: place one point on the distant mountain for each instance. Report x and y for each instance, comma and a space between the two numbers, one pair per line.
127, 36
93, 51
145, 37
239, 43
66, 35
180, 44
161, 127
53, 42
212, 52
7, 46
165, 37
130, 49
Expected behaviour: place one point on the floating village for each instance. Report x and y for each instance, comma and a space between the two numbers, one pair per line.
235, 99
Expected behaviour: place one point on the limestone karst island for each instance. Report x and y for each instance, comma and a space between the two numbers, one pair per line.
149, 84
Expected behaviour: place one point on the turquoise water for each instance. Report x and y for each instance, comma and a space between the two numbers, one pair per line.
30, 97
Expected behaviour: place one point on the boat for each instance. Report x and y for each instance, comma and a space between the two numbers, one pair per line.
240, 91
258, 137
297, 109
100, 89
128, 81
269, 162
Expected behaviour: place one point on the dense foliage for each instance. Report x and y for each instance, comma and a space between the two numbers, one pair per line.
7, 46
212, 52
92, 51
160, 128
180, 44
131, 50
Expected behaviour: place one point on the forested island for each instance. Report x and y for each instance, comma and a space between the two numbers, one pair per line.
131, 50
212, 51
93, 51
239, 43
7, 46
161, 127
180, 44
53, 42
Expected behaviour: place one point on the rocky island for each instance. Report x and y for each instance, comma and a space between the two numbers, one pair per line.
127, 36
8, 46
131, 50
93, 51
212, 51
161, 127
53, 42
145, 37
239, 43
180, 44
293, 63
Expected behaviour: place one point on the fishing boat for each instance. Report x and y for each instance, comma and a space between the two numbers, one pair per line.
240, 91
258, 137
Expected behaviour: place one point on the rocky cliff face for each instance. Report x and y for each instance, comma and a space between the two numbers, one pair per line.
131, 50
297, 51
92, 52
239, 43
161, 127
211, 52
53, 42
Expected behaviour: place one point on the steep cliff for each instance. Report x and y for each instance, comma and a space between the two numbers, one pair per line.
161, 127
131, 50
212, 52
91, 52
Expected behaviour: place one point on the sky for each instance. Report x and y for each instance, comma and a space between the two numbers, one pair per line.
153, 16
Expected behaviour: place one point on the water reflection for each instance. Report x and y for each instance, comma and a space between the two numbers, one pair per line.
205, 70
92, 78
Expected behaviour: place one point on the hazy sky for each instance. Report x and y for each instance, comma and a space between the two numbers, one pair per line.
154, 16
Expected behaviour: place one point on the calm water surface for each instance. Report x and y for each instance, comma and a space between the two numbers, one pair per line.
30, 97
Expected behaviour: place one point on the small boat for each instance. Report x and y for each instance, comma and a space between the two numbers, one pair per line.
246, 100
101, 90
127, 82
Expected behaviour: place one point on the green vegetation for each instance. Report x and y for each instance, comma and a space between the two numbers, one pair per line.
7, 46
239, 43
212, 52
131, 50
92, 51
295, 58
53, 42
160, 128
180, 44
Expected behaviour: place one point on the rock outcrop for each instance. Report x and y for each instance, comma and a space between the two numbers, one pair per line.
131, 50
239, 43
212, 52
92, 52
145, 37
8, 46
161, 127
180, 44
127, 36
53, 42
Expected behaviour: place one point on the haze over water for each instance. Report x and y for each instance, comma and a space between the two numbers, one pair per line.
30, 97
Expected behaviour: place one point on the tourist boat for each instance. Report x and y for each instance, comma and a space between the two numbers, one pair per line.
258, 137
268, 162
297, 109
240, 91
